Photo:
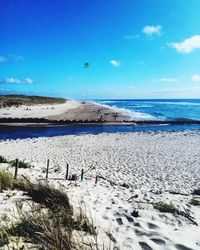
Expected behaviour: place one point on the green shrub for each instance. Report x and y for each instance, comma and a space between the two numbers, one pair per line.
48, 196
3, 160
7, 181
195, 202
165, 208
22, 164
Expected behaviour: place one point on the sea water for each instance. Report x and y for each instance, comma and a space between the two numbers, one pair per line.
137, 109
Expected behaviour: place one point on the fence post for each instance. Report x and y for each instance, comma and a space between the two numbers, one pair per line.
82, 173
67, 172
96, 179
47, 172
16, 168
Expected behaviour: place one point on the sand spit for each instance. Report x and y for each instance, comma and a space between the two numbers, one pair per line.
37, 111
137, 170
70, 110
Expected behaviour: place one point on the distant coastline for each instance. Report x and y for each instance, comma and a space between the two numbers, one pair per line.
31, 109
20, 110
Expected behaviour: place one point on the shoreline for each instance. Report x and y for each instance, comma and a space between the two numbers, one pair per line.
74, 112
69, 111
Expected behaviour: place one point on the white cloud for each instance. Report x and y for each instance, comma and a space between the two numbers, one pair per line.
28, 80
152, 30
11, 58
4, 90
132, 37
165, 80
12, 80
188, 45
195, 78
3, 59
115, 63
16, 57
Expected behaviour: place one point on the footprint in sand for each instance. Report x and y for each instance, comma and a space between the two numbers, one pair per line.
137, 224
152, 226
119, 221
158, 241
129, 218
144, 246
182, 247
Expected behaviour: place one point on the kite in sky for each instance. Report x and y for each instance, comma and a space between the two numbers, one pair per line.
86, 65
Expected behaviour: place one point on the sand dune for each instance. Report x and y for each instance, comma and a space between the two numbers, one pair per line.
138, 170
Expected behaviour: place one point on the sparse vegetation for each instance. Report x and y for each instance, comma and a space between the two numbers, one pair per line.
48, 196
165, 208
4, 240
17, 100
3, 160
51, 223
195, 202
6, 180
22, 164
44, 228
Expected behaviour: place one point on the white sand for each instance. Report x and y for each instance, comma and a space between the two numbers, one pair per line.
38, 111
151, 164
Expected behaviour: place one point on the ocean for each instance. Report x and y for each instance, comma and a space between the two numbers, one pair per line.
138, 109
157, 109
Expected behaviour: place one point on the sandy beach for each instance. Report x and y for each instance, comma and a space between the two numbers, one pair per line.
70, 110
136, 171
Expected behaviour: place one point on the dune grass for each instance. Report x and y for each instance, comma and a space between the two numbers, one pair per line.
50, 223
164, 207
4, 240
3, 160
21, 164
16, 100
43, 228
6, 180
195, 202
48, 196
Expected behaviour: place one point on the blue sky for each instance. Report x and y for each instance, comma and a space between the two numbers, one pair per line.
136, 49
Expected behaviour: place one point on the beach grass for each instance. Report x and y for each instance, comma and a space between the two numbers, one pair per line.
164, 207
48, 196
195, 202
16, 100
3, 160
50, 223
21, 164
43, 228
6, 180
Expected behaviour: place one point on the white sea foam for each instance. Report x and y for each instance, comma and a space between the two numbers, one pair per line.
177, 103
133, 114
